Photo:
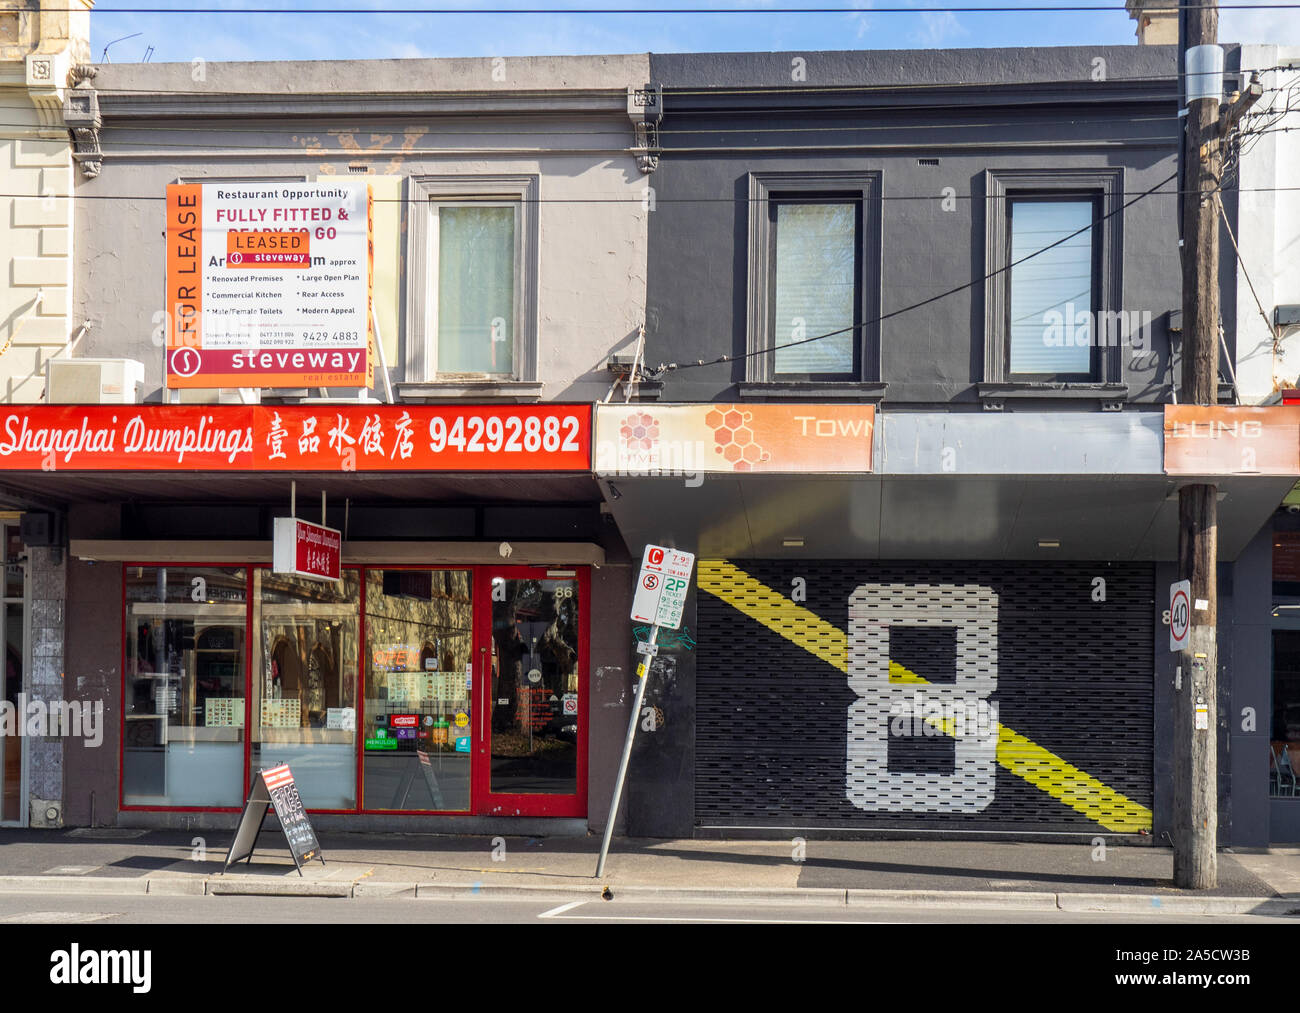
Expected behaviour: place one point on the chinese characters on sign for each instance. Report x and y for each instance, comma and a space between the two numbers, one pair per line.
307, 550
294, 438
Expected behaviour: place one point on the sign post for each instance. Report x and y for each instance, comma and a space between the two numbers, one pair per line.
275, 787
661, 588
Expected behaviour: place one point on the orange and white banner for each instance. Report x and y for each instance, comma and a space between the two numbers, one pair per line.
733, 438
269, 285
1232, 440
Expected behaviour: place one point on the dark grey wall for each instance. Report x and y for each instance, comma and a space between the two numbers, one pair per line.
93, 650
1250, 682
661, 777
696, 295
610, 696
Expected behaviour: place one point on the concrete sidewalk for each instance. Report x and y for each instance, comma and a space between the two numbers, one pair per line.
932, 873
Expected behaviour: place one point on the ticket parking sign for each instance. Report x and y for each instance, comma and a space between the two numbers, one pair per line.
661, 586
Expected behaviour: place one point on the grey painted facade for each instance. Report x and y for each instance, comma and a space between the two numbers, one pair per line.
967, 465
976, 112
560, 122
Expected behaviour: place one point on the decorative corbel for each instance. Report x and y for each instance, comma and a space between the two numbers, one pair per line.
81, 115
645, 108
45, 74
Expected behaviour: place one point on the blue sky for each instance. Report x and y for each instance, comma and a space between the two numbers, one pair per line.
181, 37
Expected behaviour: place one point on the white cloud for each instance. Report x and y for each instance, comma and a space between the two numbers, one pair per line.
407, 51
1279, 27
861, 20
938, 28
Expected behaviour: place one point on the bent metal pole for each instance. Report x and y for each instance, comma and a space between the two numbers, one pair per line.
643, 676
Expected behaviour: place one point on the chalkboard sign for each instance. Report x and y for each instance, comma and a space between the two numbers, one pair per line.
275, 788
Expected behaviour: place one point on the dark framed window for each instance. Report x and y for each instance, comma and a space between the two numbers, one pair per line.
1052, 305
815, 286
1027, 337
814, 269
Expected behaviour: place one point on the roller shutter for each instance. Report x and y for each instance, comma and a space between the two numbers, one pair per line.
994, 696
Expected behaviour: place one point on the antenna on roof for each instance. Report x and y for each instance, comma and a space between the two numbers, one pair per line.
104, 56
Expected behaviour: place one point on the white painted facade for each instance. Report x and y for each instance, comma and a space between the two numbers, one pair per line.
39, 44
1268, 230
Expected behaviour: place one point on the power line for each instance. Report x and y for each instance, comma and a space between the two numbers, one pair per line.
641, 200
664, 368
1029, 9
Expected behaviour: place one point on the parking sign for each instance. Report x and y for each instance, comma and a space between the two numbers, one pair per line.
661, 586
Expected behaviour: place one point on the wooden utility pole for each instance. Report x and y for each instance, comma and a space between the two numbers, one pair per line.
1195, 739
1208, 124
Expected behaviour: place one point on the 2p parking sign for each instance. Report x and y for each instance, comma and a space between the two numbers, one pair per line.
661, 586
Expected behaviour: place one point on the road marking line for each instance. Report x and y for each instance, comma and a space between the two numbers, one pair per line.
1026, 759
555, 912
720, 921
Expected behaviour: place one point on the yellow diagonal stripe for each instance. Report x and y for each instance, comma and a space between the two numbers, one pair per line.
1021, 756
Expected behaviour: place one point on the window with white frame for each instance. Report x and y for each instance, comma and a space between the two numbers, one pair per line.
471, 281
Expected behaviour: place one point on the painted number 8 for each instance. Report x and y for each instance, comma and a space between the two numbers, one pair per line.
970, 609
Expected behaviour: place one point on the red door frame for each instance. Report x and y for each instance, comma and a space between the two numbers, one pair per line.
485, 803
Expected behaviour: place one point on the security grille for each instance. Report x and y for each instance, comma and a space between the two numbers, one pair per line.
980, 696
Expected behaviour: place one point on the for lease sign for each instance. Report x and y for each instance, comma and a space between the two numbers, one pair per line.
269, 285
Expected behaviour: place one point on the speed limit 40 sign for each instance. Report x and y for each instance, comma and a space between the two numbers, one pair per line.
1180, 614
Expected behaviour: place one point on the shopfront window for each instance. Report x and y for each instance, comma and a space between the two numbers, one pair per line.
185, 678
1284, 737
536, 673
419, 644
305, 686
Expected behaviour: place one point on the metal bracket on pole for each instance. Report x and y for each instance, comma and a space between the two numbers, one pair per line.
643, 674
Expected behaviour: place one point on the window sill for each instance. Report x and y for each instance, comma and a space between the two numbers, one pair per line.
808, 390
435, 391
1111, 395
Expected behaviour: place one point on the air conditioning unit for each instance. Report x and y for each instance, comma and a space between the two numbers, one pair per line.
93, 381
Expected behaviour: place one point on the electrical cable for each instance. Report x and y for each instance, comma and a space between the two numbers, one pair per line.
667, 367
642, 200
